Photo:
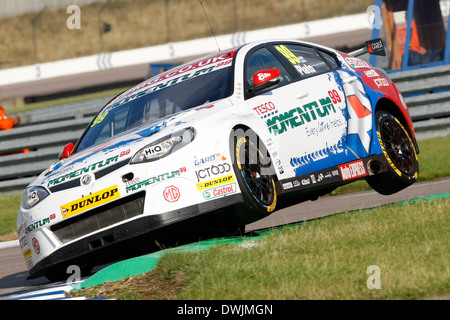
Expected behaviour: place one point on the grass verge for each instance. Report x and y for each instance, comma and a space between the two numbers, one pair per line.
328, 258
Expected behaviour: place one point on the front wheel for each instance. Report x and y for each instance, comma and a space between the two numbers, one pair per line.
255, 175
400, 155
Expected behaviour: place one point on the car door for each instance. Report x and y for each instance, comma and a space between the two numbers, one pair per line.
305, 114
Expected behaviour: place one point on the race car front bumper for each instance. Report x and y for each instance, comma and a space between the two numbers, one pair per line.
137, 236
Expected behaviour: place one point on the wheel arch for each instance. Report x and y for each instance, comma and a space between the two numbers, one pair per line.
386, 104
260, 136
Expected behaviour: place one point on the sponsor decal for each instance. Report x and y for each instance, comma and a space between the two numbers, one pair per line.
305, 182
215, 182
287, 185
153, 150
88, 202
39, 223
308, 180
352, 170
298, 62
155, 179
266, 109
356, 63
36, 246
299, 116
132, 182
27, 253
220, 191
213, 170
79, 172
23, 241
381, 82
305, 69
171, 194
263, 76
371, 73
376, 47
288, 54
209, 159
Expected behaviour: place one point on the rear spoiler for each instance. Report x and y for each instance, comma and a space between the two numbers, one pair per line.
374, 46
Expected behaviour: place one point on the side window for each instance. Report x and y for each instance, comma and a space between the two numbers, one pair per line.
330, 59
306, 60
264, 59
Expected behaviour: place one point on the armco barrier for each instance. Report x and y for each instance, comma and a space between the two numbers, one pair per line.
46, 131
427, 94
43, 132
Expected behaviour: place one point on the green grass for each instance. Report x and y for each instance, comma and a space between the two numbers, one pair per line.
8, 213
328, 258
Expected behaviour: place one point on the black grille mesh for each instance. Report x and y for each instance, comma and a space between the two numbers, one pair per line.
99, 218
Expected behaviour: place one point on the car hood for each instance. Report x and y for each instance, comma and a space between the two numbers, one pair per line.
113, 154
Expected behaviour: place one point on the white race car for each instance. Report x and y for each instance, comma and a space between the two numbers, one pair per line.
217, 142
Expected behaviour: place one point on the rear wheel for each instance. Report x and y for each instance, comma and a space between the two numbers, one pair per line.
400, 155
256, 178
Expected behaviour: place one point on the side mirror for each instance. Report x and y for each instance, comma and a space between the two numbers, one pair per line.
66, 151
265, 79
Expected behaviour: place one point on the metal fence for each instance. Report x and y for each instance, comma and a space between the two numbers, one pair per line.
46, 131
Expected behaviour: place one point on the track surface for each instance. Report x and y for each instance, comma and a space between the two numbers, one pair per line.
13, 272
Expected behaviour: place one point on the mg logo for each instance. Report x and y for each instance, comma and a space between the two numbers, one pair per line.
171, 194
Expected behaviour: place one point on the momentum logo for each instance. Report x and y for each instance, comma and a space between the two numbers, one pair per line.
89, 202
299, 116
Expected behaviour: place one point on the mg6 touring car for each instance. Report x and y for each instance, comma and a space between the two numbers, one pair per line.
217, 141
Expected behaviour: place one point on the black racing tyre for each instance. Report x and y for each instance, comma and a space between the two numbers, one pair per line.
400, 155
256, 178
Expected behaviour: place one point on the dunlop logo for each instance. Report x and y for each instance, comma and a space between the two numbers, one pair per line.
89, 202
215, 182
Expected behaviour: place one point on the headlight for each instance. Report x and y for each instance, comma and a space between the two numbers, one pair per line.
32, 196
165, 146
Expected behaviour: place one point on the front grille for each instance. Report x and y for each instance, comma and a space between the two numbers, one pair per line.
99, 218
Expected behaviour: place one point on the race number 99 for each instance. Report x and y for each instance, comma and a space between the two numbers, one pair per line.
335, 97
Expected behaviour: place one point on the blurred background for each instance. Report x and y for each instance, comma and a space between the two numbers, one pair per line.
130, 24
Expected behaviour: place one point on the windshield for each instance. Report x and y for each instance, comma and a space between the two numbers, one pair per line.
158, 101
